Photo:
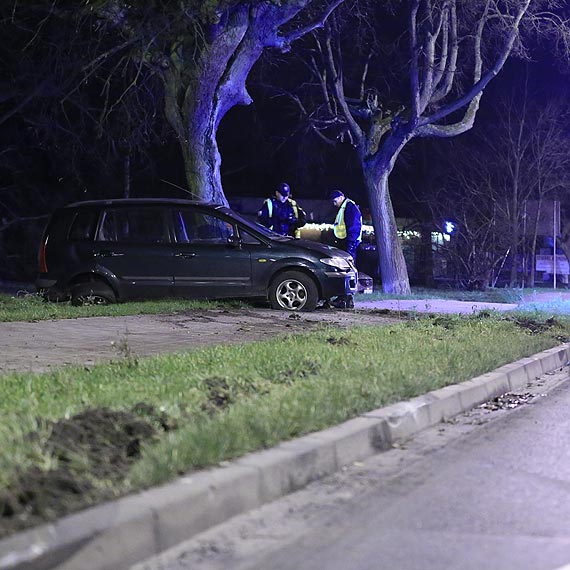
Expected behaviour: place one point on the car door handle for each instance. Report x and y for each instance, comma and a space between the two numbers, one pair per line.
106, 253
188, 255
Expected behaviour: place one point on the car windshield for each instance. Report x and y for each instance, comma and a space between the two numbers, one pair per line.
255, 226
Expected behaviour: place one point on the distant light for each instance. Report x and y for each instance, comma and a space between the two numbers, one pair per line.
366, 230
449, 227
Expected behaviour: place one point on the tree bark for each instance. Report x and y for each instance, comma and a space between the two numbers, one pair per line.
202, 160
393, 269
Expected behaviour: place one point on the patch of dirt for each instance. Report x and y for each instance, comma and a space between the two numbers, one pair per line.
92, 451
291, 375
443, 321
219, 395
533, 326
340, 340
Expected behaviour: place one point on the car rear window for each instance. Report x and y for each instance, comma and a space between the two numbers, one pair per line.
58, 226
84, 225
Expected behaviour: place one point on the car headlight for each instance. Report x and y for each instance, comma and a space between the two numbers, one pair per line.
338, 262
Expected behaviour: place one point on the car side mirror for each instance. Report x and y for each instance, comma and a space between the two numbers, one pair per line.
234, 241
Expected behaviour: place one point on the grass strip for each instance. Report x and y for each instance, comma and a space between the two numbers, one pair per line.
327, 377
32, 307
228, 400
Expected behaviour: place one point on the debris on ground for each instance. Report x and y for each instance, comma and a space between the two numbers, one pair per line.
507, 401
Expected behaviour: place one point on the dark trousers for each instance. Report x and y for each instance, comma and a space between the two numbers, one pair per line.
351, 248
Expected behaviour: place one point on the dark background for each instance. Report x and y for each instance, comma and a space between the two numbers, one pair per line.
261, 145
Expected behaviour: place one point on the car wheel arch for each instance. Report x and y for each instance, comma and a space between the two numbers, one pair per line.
94, 292
300, 269
91, 277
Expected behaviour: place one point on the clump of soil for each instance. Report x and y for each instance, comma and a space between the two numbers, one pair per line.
219, 395
533, 326
94, 451
338, 340
443, 321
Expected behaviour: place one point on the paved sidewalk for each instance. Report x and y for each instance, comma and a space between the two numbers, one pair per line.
435, 306
43, 345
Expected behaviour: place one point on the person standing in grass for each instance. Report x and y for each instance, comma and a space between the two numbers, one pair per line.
348, 235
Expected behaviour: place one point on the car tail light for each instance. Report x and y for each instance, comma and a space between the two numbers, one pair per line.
42, 257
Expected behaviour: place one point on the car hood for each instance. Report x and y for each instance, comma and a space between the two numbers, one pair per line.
321, 248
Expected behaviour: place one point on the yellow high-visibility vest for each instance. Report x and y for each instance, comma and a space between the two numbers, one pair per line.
296, 211
339, 227
269, 203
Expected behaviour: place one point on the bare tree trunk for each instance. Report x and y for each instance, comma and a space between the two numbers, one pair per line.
563, 242
390, 255
202, 162
532, 256
533, 243
197, 97
194, 118
127, 175
194, 122
515, 237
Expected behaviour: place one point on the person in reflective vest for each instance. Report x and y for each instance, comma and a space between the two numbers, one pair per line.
348, 235
281, 213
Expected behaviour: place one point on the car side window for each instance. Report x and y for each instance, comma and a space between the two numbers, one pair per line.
248, 238
84, 225
194, 226
133, 225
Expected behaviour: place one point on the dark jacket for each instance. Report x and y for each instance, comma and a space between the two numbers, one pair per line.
353, 221
282, 218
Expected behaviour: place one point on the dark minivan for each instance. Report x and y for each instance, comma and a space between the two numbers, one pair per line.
106, 251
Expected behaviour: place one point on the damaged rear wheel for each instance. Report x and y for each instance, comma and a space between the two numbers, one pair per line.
93, 293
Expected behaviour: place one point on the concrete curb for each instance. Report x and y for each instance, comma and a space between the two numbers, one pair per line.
116, 535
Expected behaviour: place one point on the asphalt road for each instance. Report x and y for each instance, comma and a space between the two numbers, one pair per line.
490, 491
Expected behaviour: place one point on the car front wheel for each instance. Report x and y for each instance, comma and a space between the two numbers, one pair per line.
293, 291
93, 293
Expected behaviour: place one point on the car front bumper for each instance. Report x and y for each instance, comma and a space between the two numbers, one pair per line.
339, 284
